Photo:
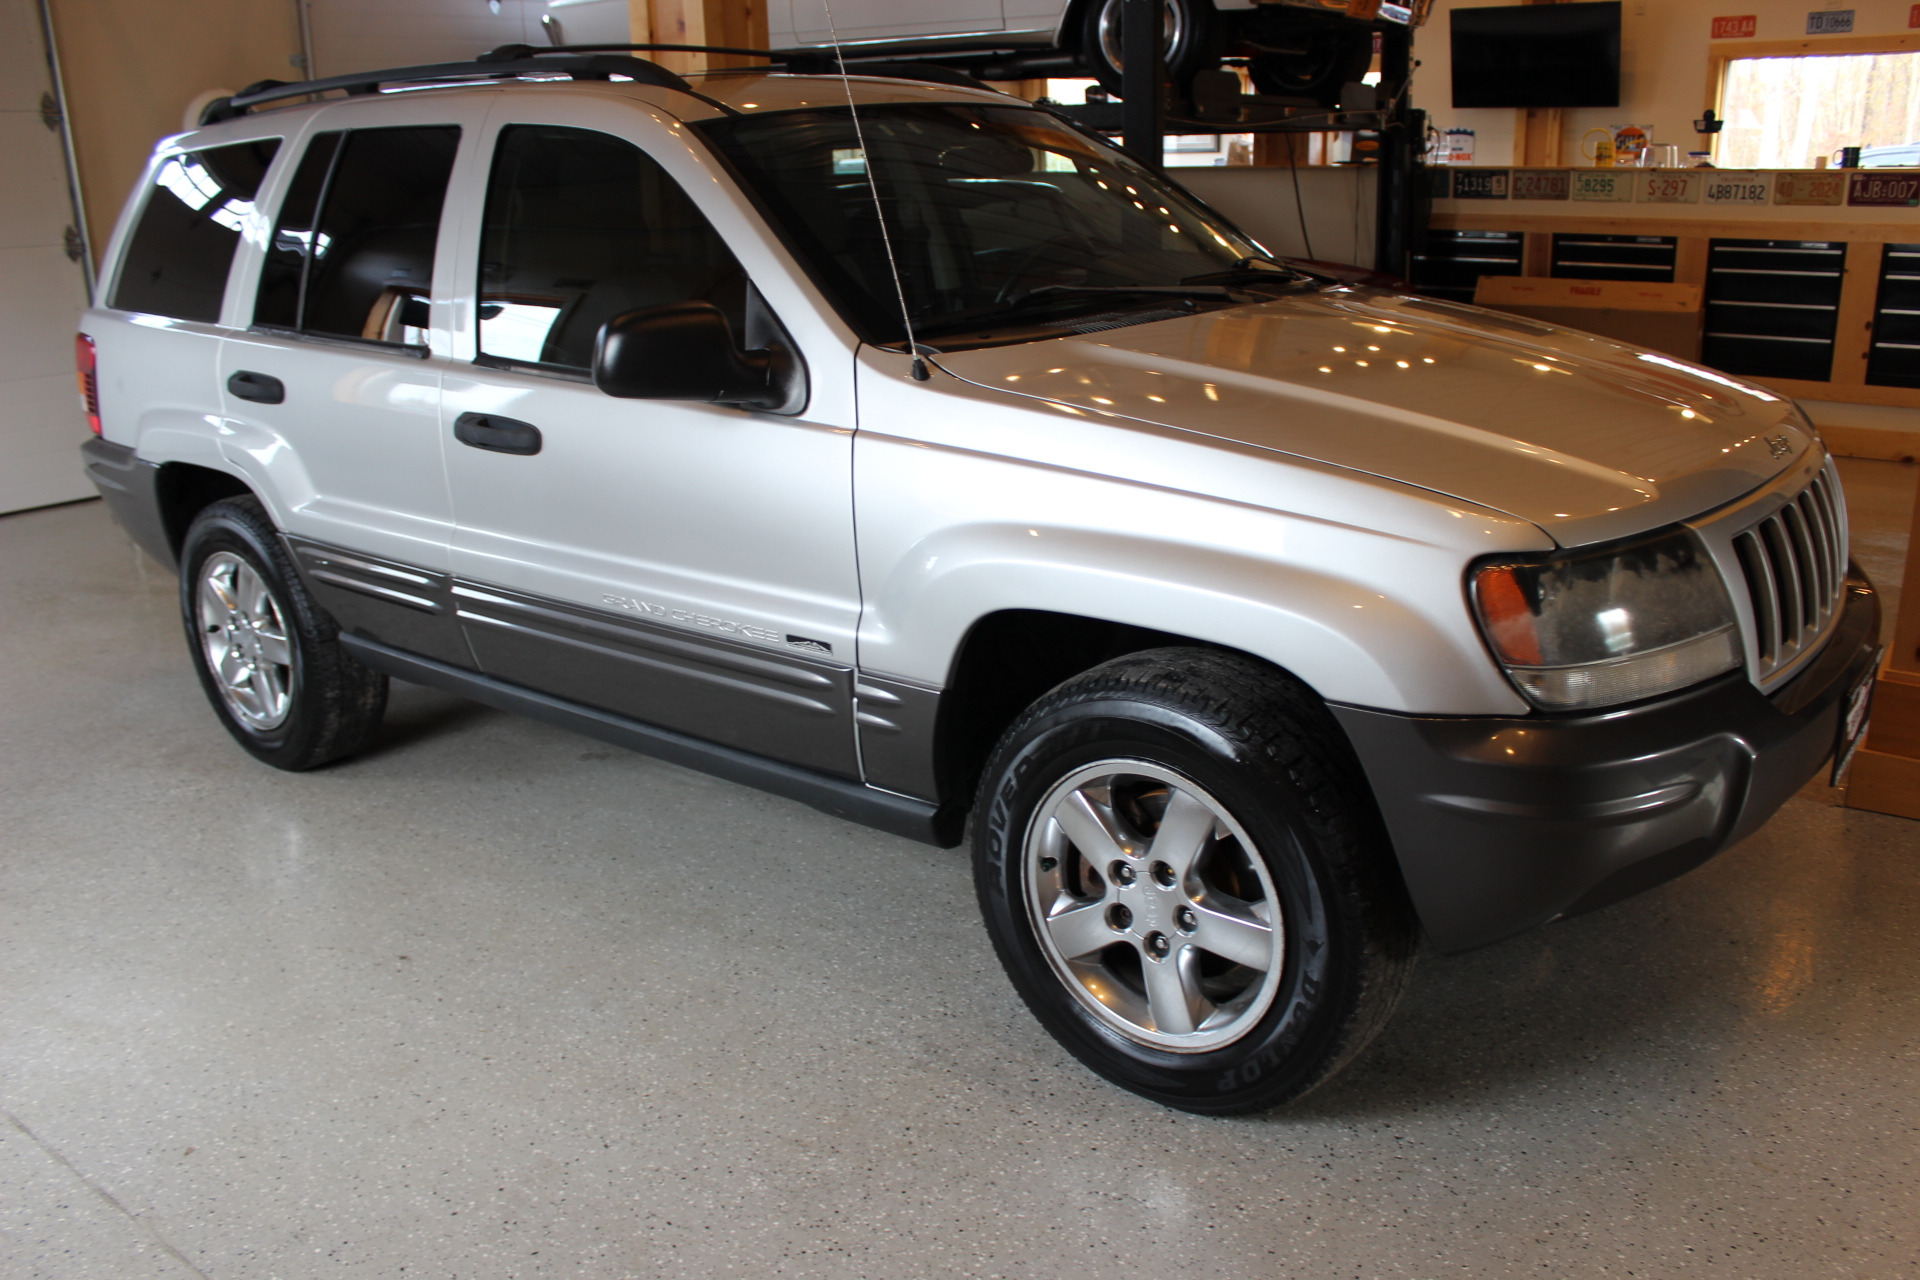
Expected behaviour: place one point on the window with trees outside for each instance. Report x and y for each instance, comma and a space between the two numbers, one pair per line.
1785, 112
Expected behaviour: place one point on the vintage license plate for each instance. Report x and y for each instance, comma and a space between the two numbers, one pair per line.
1670, 187
1853, 725
1480, 184
1886, 190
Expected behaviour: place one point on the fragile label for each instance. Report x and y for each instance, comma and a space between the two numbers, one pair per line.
1480, 184
1735, 28
1540, 184
1913, 16
1611, 186
1809, 188
1667, 187
1884, 189
1833, 22
1722, 187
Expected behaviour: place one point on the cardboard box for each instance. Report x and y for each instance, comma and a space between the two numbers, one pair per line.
1660, 317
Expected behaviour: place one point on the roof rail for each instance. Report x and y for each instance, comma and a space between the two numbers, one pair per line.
581, 61
505, 63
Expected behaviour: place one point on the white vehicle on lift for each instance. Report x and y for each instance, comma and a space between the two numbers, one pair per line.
1296, 48
1256, 621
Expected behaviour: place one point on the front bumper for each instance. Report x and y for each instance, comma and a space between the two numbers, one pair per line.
1503, 823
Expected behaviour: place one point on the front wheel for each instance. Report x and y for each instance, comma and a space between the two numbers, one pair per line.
1184, 877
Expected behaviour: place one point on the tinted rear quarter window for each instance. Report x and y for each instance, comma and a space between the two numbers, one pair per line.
181, 250
286, 258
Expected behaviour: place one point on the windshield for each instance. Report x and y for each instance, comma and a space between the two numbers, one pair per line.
993, 211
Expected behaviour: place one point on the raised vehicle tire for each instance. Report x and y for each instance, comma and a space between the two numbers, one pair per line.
268, 656
1312, 61
1186, 880
1189, 32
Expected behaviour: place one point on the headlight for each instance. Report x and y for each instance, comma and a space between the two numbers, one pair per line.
1599, 627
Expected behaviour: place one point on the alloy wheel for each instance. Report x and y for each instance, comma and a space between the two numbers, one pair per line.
243, 632
1173, 31
1153, 906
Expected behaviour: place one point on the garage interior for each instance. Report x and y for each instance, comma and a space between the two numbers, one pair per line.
496, 1000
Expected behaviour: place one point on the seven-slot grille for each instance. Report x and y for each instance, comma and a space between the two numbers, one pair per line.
1795, 563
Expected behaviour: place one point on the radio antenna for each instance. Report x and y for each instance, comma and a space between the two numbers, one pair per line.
920, 373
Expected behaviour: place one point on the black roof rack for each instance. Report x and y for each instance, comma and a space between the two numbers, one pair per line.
505, 63
581, 61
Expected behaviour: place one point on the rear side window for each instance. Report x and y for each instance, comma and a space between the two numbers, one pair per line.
581, 226
286, 261
182, 248
352, 253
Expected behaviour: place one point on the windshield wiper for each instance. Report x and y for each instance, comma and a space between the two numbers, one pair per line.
1256, 271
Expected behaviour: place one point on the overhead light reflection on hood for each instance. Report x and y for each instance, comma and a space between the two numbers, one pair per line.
1694, 370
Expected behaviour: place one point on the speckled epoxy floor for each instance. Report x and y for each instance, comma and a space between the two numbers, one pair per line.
497, 1001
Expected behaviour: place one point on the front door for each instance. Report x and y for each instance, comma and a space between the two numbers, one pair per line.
687, 565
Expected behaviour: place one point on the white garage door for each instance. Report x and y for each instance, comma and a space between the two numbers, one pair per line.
42, 292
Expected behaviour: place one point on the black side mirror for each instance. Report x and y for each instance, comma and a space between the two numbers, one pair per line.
686, 351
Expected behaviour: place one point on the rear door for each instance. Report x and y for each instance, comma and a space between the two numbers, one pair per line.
333, 393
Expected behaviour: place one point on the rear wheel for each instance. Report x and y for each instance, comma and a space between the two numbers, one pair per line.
1311, 60
1184, 877
269, 657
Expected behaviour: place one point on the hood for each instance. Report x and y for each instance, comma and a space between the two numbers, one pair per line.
1585, 437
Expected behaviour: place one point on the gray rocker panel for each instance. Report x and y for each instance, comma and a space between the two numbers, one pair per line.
402, 605
764, 701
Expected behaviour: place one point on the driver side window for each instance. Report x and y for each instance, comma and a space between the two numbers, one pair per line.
581, 226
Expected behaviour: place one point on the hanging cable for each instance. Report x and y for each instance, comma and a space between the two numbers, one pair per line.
920, 373
1293, 163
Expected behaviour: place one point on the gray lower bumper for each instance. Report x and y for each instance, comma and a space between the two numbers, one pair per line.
130, 487
1502, 823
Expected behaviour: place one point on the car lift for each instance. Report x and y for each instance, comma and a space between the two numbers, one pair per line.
1142, 118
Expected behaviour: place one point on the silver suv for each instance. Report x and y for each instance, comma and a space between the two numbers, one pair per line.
903, 449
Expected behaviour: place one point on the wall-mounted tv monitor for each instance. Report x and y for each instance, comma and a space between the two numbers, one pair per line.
1537, 55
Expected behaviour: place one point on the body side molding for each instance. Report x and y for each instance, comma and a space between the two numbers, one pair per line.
367, 594
751, 697
854, 801
896, 720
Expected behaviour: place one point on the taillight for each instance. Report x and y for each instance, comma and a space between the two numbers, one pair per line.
84, 359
